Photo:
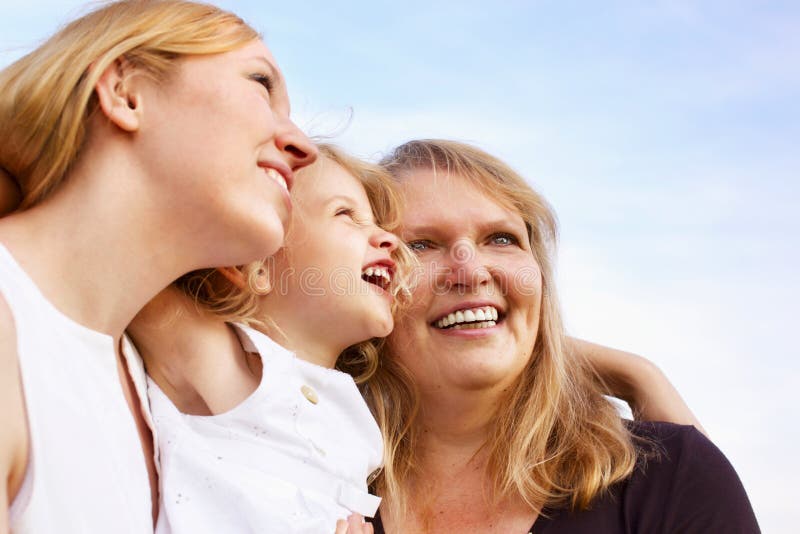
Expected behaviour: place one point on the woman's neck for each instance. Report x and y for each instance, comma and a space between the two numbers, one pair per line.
456, 423
452, 489
95, 249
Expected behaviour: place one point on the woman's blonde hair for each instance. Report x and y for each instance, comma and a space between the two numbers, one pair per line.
214, 292
47, 97
556, 440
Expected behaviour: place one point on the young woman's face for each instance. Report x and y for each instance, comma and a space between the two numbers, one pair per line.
334, 274
475, 310
219, 138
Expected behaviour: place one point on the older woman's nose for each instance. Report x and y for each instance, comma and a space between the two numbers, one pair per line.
465, 267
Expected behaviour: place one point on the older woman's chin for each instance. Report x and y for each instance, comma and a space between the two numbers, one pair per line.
489, 375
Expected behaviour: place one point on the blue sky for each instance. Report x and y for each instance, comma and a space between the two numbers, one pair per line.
663, 132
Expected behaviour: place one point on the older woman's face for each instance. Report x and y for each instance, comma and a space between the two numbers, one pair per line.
475, 312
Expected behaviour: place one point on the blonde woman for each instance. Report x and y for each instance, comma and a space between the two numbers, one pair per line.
492, 422
148, 139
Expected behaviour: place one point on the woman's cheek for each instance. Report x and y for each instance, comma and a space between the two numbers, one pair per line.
527, 281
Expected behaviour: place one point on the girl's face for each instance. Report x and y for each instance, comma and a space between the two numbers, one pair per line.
332, 279
218, 138
475, 310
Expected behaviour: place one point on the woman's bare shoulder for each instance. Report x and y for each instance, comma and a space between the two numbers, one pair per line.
13, 440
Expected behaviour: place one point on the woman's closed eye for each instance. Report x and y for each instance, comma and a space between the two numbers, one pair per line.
264, 80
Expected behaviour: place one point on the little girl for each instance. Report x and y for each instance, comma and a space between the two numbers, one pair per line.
259, 433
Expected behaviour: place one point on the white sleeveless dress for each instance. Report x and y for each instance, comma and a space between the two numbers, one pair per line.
86, 470
292, 457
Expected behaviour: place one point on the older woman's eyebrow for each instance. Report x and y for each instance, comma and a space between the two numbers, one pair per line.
420, 230
431, 229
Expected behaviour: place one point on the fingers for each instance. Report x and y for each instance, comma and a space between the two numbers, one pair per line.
354, 525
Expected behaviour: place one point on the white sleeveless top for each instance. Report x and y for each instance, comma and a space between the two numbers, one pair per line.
86, 470
293, 457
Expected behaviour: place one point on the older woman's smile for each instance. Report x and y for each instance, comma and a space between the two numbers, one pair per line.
469, 314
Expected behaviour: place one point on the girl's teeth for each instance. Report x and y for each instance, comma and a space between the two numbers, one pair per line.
381, 272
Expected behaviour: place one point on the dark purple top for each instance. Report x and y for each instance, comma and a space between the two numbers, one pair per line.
684, 485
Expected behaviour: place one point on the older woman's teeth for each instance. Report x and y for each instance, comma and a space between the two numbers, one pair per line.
484, 317
472, 326
277, 178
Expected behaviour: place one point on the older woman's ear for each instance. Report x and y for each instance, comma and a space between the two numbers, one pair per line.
10, 195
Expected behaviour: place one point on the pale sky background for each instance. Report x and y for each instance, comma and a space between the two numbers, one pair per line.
662, 133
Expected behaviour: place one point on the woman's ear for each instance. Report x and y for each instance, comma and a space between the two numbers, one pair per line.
234, 275
117, 96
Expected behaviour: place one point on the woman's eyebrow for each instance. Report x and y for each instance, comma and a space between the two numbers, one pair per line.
483, 226
274, 73
423, 229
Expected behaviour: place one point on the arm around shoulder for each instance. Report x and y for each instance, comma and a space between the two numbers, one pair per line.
14, 438
639, 382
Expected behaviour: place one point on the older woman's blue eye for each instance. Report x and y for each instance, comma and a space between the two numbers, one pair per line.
504, 239
418, 246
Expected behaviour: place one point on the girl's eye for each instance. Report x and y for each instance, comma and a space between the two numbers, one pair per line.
264, 80
345, 211
504, 239
419, 245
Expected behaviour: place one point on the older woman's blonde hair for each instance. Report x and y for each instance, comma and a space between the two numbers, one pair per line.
47, 97
556, 440
213, 291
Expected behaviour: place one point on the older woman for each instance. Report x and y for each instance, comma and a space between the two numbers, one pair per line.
492, 424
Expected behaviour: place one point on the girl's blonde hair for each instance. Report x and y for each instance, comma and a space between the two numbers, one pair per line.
47, 97
214, 292
556, 439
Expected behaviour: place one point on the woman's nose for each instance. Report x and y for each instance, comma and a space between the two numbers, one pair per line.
465, 267
295, 145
